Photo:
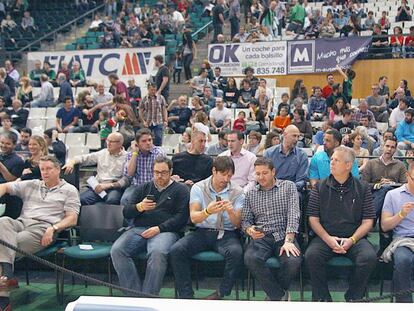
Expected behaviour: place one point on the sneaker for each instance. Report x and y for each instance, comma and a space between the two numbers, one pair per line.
6, 308
286, 296
213, 296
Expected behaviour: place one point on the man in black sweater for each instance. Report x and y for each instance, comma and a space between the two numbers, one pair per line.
341, 213
193, 165
159, 211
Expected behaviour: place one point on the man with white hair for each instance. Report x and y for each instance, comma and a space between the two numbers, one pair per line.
65, 88
46, 97
341, 213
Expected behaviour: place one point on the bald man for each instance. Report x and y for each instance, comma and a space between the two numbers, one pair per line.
110, 182
179, 114
290, 162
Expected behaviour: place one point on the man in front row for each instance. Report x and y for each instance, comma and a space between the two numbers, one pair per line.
270, 216
50, 205
215, 209
341, 213
159, 210
398, 216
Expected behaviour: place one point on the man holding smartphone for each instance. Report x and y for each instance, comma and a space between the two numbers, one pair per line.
270, 216
215, 209
159, 211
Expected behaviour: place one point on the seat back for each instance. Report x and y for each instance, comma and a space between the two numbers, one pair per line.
101, 222
72, 178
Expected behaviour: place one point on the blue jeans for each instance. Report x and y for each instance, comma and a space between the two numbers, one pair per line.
90, 197
157, 131
234, 26
203, 240
257, 252
129, 245
379, 197
127, 194
403, 272
84, 129
37, 103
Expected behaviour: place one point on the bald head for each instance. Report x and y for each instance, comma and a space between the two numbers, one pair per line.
115, 142
290, 137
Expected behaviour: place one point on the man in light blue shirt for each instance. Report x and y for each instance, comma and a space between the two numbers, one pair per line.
398, 216
215, 209
319, 167
290, 162
405, 131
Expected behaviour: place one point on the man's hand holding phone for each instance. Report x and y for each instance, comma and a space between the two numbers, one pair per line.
148, 203
255, 232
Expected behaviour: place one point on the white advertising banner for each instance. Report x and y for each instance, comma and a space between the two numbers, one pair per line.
267, 58
98, 64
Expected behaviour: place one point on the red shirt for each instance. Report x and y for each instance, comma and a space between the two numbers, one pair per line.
120, 88
326, 91
395, 39
239, 125
409, 41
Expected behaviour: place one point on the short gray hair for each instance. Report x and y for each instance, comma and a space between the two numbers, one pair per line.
52, 159
349, 153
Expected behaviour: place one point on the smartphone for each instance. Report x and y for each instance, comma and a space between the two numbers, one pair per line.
258, 229
151, 197
218, 198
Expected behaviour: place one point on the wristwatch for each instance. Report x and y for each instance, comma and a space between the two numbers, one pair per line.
289, 240
55, 228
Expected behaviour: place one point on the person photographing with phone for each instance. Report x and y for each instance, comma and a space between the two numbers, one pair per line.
215, 209
270, 216
159, 211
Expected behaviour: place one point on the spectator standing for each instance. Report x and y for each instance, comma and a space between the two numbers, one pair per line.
328, 89
234, 17
65, 89
218, 19
153, 113
189, 53
162, 78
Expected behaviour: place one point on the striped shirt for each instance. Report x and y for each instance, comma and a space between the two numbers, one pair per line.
276, 210
152, 108
145, 162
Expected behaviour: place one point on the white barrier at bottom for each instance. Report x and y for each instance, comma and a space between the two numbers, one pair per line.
98, 303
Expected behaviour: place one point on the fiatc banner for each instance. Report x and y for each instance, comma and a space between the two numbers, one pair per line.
267, 58
98, 64
323, 55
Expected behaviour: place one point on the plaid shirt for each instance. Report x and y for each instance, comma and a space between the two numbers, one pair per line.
276, 210
145, 163
359, 114
153, 107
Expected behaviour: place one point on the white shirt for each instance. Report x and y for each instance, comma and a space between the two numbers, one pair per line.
223, 114
397, 115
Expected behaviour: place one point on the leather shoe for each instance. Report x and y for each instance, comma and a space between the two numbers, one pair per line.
8, 284
213, 296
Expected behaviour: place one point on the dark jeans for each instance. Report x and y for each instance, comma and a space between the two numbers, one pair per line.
218, 30
84, 129
157, 131
379, 197
257, 252
403, 272
317, 256
187, 60
203, 240
177, 76
234, 26
177, 128
90, 197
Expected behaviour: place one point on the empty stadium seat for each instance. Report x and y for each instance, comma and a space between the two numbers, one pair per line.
93, 141
171, 140
77, 150
382, 127
51, 112
37, 113
36, 123
75, 139
50, 123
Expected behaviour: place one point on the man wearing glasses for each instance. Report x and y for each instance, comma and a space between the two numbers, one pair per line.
158, 210
108, 184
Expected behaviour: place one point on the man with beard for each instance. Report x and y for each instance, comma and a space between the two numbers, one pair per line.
319, 167
384, 173
405, 131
